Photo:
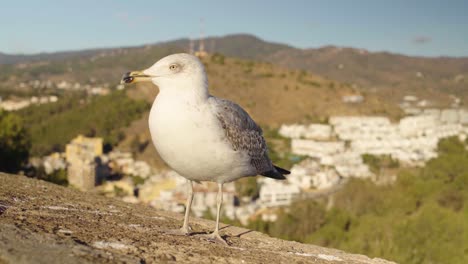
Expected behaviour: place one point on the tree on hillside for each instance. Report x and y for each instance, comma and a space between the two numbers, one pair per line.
52, 126
14, 142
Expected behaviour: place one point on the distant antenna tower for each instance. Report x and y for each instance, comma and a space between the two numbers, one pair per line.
191, 46
201, 47
202, 35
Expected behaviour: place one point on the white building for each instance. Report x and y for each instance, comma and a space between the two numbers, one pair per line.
14, 105
302, 174
449, 116
53, 162
412, 141
124, 162
205, 199
316, 149
312, 131
463, 117
353, 99
275, 193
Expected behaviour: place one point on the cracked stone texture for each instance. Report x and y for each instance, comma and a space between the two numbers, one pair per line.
42, 222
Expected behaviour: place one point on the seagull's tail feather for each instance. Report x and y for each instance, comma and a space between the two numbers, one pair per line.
276, 173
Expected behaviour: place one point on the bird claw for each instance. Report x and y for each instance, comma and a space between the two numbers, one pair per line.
179, 232
215, 238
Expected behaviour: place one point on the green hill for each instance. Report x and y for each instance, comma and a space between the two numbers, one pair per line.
51, 126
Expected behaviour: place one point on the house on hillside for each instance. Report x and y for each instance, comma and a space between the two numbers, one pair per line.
275, 193
83, 156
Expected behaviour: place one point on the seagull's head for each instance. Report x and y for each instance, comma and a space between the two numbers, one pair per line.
176, 71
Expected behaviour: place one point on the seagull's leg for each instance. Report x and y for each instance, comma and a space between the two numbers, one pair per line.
185, 229
215, 235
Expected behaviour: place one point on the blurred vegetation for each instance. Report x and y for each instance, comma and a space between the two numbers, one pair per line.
421, 218
51, 126
376, 163
58, 176
302, 78
218, 58
137, 180
137, 145
294, 222
247, 187
119, 192
14, 142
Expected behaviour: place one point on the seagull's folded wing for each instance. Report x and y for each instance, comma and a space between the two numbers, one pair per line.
242, 133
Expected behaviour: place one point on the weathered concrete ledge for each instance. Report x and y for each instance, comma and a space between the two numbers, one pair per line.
45, 223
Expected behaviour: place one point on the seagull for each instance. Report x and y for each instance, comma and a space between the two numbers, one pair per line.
200, 136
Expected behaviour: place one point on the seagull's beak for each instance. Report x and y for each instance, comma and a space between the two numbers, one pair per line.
134, 77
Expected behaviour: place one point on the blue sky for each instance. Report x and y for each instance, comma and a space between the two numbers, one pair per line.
427, 28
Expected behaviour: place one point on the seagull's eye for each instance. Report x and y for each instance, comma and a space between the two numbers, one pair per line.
173, 67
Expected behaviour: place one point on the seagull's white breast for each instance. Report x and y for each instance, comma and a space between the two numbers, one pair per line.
189, 138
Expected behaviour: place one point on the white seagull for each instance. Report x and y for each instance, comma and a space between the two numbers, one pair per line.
200, 136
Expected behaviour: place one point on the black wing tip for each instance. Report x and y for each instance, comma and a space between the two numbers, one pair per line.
274, 175
281, 170
277, 173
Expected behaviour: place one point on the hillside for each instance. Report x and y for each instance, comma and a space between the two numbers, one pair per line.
259, 87
369, 70
55, 56
45, 223
231, 45
275, 95
271, 95
379, 70
51, 126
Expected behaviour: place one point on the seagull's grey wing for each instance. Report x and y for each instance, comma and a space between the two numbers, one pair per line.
243, 133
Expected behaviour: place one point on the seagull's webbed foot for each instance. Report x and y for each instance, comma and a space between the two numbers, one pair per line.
183, 231
215, 238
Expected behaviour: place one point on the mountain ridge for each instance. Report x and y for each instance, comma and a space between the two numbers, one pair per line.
357, 67
185, 41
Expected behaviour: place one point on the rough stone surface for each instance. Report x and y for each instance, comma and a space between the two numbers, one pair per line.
45, 223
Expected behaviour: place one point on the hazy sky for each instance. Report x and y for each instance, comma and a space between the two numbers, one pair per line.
429, 28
